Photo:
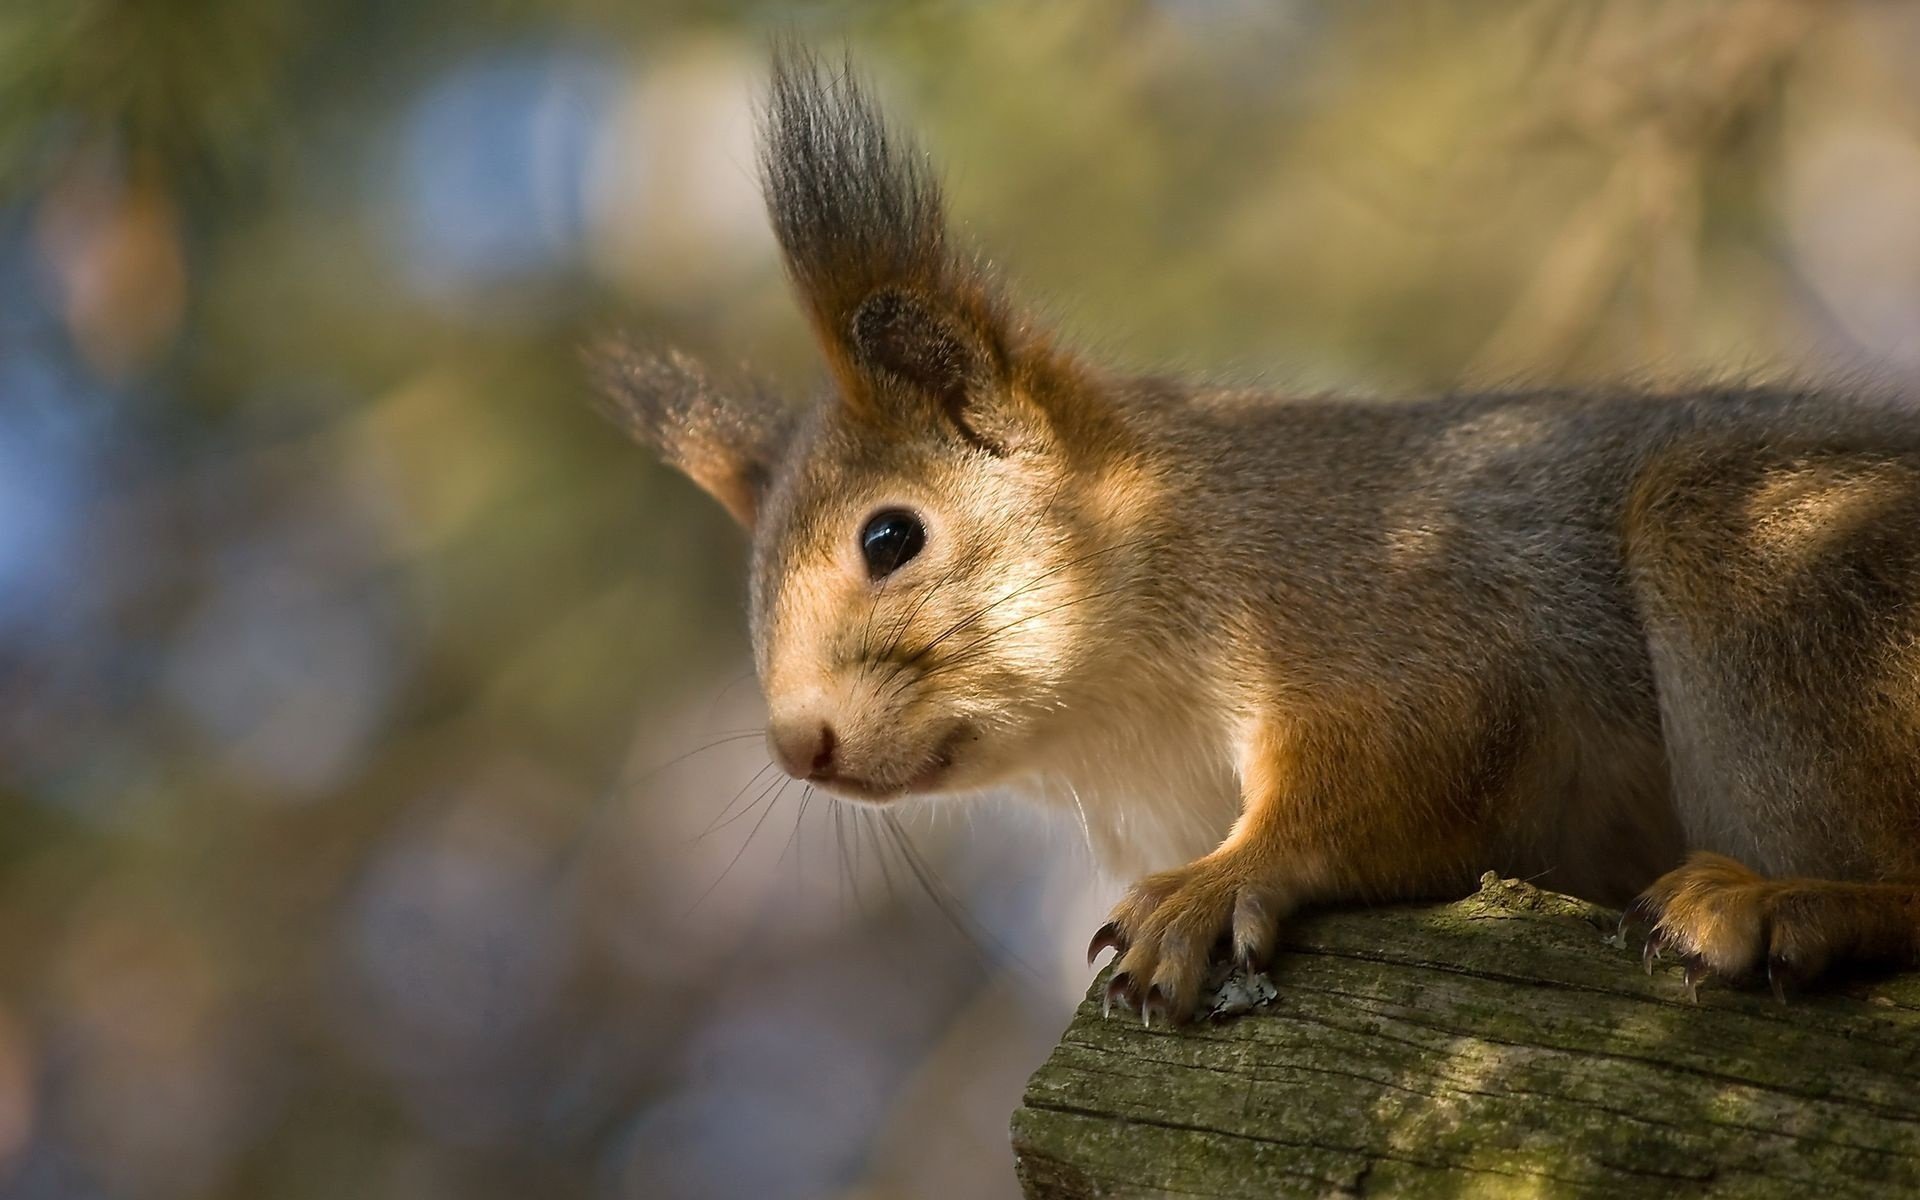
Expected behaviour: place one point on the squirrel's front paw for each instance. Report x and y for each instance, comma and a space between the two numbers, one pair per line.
1171, 926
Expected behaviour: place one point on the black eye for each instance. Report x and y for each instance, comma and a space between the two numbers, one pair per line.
890, 539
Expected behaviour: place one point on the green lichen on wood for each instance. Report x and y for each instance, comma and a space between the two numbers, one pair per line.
1497, 1046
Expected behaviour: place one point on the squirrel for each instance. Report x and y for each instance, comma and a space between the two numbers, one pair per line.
1287, 651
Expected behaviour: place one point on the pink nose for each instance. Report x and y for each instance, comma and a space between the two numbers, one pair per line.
804, 748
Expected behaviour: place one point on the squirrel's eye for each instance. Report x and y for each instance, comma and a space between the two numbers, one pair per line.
889, 540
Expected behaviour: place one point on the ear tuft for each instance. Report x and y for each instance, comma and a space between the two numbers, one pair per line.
727, 441
853, 203
861, 226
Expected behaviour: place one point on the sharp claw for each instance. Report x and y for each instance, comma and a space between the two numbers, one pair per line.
1650, 953
1107, 937
1696, 971
1156, 1001
1781, 977
1638, 912
1118, 988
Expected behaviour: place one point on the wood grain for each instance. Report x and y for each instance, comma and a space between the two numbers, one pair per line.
1497, 1046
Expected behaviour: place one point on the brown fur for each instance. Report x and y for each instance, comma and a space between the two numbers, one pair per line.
1569, 636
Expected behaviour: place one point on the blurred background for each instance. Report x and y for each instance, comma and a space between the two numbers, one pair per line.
385, 811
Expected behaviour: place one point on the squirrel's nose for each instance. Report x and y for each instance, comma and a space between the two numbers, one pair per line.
804, 749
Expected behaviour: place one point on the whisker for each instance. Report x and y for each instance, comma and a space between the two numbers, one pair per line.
723, 740
974, 555
977, 936
1022, 590
806, 794
605, 805
735, 682
960, 656
854, 838
960, 562
716, 825
867, 820
741, 852
866, 628
735, 799
840, 842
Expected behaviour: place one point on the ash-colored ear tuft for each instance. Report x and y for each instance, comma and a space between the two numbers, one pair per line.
727, 441
854, 205
912, 325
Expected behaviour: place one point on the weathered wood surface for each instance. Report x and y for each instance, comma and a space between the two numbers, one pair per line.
1498, 1046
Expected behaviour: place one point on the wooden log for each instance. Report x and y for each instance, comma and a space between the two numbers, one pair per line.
1503, 1045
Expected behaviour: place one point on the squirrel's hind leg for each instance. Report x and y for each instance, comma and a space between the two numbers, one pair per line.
1780, 593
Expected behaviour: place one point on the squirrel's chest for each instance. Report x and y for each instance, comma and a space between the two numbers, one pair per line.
1148, 796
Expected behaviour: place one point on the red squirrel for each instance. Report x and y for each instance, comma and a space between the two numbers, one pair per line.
1314, 650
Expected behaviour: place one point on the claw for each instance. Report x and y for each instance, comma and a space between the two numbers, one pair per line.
1650, 953
1782, 978
1120, 987
1640, 912
1696, 971
1107, 937
1156, 1001
1628, 915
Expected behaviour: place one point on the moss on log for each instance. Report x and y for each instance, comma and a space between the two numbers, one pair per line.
1502, 1045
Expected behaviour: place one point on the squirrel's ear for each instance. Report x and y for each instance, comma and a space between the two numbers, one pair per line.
862, 228
956, 364
728, 443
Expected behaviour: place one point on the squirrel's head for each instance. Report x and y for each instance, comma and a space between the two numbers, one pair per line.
936, 540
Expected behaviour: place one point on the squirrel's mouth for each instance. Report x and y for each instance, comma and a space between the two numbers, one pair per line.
926, 776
